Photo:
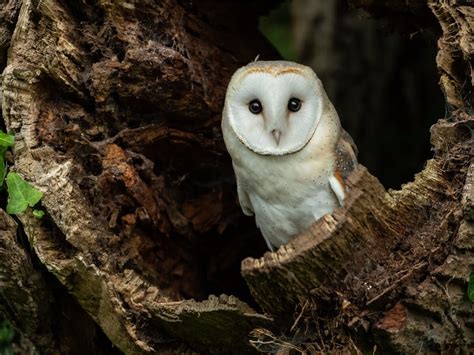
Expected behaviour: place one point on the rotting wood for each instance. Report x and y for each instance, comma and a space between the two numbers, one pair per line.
454, 58
100, 258
79, 109
368, 251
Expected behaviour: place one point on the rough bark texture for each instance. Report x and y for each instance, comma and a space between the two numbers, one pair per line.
116, 112
116, 108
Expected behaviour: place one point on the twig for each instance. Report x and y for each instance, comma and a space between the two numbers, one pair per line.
299, 316
357, 350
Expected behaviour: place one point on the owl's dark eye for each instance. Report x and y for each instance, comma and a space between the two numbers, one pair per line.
294, 104
255, 106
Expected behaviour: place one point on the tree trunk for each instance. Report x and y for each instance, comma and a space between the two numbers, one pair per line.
116, 108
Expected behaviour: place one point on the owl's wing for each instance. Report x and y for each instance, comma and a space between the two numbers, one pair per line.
346, 161
346, 154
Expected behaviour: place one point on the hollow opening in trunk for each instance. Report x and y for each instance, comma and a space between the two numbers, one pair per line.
380, 76
167, 189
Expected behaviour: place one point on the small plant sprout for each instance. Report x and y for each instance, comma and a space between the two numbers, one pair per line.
21, 194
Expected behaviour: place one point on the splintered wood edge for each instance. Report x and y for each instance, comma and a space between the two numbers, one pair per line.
173, 310
320, 232
213, 317
314, 261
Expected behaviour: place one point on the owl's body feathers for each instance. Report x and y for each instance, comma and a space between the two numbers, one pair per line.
291, 179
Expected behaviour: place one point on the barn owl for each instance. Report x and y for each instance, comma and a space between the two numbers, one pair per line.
289, 152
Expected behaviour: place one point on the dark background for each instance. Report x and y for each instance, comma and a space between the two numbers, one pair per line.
381, 79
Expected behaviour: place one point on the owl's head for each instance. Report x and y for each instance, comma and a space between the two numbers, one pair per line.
274, 107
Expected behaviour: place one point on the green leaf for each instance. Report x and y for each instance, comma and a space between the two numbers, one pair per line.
6, 140
470, 287
20, 194
38, 214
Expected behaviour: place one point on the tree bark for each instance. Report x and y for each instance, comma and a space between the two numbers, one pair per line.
116, 107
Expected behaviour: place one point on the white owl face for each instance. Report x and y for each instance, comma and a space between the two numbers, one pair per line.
274, 107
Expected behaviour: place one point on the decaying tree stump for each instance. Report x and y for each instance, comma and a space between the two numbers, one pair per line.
116, 107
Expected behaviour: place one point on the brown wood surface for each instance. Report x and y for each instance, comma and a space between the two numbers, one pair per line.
116, 107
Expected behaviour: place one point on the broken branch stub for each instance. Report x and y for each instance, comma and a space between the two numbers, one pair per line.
377, 251
315, 263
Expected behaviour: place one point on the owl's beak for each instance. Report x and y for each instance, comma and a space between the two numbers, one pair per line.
276, 134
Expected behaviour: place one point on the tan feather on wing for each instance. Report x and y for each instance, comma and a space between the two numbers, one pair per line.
346, 154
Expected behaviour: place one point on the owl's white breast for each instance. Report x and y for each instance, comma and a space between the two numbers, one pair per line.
289, 192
